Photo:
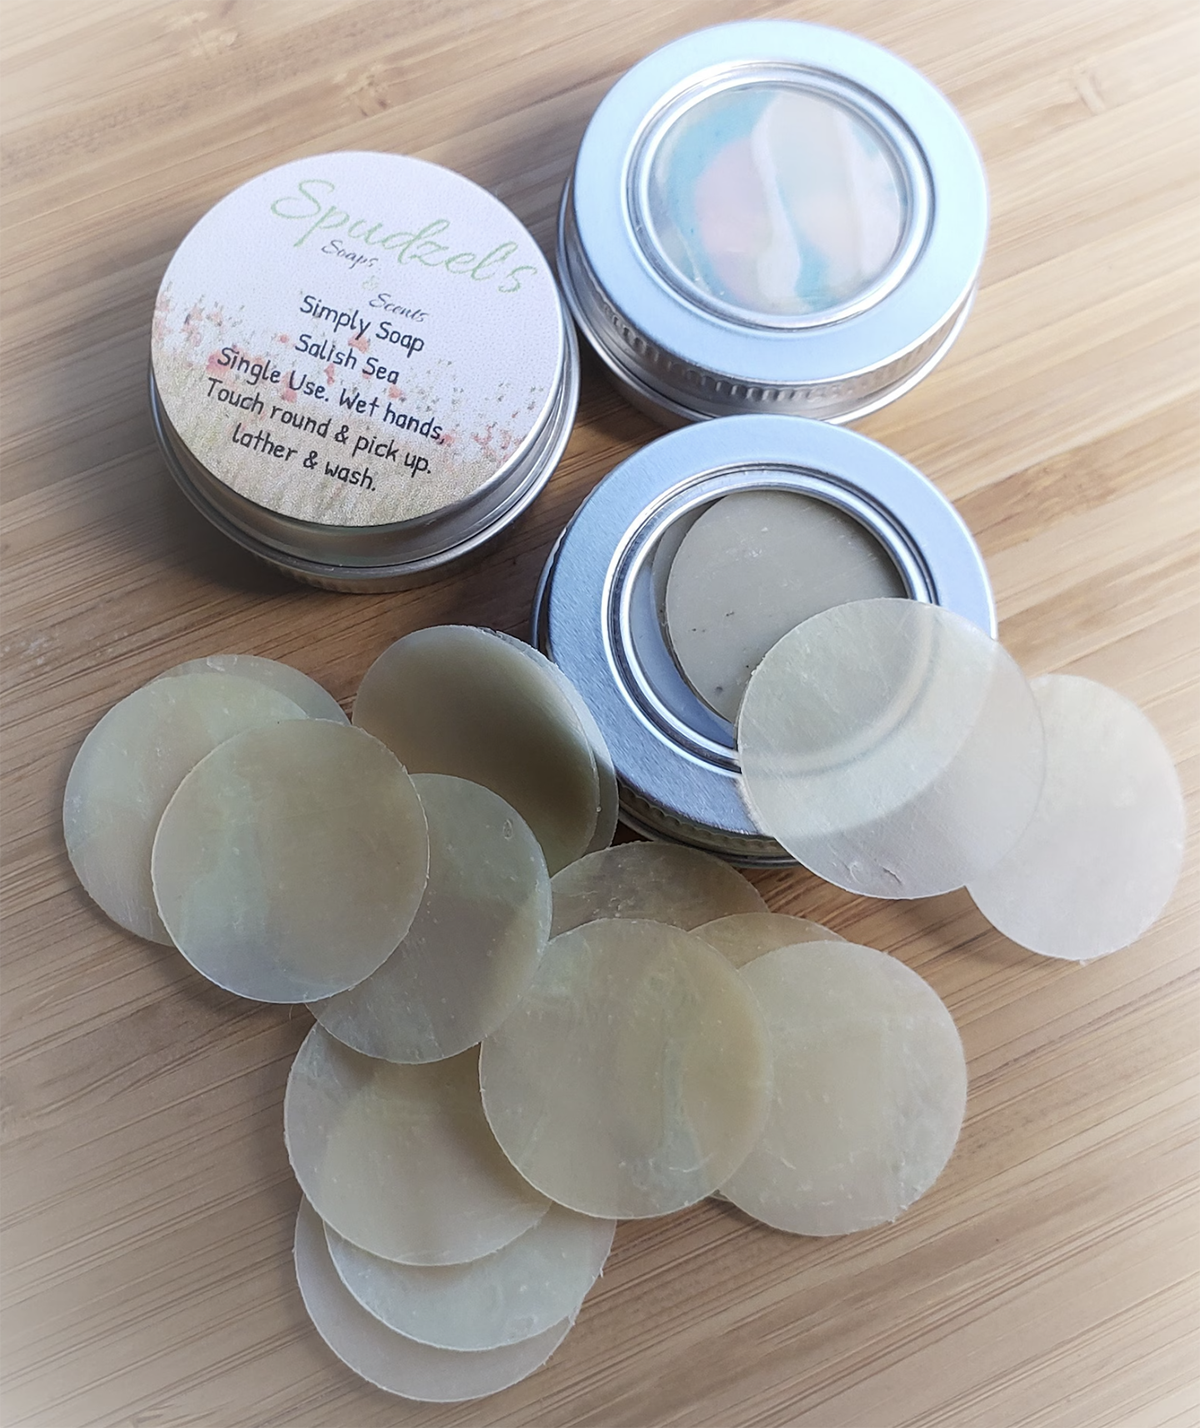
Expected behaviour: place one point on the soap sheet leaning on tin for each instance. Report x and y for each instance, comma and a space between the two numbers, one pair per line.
772, 216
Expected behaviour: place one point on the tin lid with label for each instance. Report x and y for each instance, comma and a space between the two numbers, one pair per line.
772, 212
361, 359
602, 611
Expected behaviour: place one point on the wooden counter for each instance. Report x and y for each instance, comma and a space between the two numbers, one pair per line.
1049, 1278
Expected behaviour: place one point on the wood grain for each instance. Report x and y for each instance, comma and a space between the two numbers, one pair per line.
1050, 1277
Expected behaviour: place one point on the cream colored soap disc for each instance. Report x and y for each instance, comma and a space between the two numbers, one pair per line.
391, 1361
475, 942
291, 860
870, 1090
316, 701
634, 1074
755, 565
457, 700
747, 935
127, 770
1100, 859
399, 1160
521, 1290
654, 882
610, 802
892, 747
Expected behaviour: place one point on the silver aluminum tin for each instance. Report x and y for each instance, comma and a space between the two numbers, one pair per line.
598, 612
367, 559
683, 357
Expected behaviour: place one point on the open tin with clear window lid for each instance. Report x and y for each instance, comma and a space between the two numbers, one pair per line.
361, 369
619, 591
770, 215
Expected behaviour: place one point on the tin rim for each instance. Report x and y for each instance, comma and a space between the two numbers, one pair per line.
614, 343
376, 557
839, 368
598, 608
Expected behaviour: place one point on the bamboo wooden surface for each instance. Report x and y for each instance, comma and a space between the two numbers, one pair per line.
1050, 1276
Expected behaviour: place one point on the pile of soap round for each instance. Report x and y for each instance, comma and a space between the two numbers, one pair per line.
524, 1034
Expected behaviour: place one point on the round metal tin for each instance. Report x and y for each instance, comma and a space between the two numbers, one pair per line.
382, 380
770, 215
599, 608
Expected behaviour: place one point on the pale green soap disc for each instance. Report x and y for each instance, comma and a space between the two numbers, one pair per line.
655, 882
399, 1160
128, 768
755, 565
524, 1289
610, 803
1100, 858
391, 1361
892, 747
474, 944
870, 1087
291, 860
315, 700
747, 935
453, 699
633, 1077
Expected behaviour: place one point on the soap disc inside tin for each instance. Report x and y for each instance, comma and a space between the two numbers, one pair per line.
1101, 856
526, 1288
870, 1087
391, 1361
457, 700
892, 747
653, 882
316, 701
633, 1076
755, 565
291, 860
747, 935
129, 766
399, 1160
474, 944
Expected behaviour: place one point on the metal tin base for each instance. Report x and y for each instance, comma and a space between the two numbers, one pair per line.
371, 559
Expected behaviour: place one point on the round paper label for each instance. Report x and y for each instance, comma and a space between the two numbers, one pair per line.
357, 339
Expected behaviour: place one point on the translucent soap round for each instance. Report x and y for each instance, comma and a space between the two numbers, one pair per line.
457, 700
870, 1087
127, 770
1101, 856
633, 1076
291, 860
747, 935
391, 1361
315, 700
474, 944
654, 882
892, 747
606, 820
399, 1160
527, 1287
755, 565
